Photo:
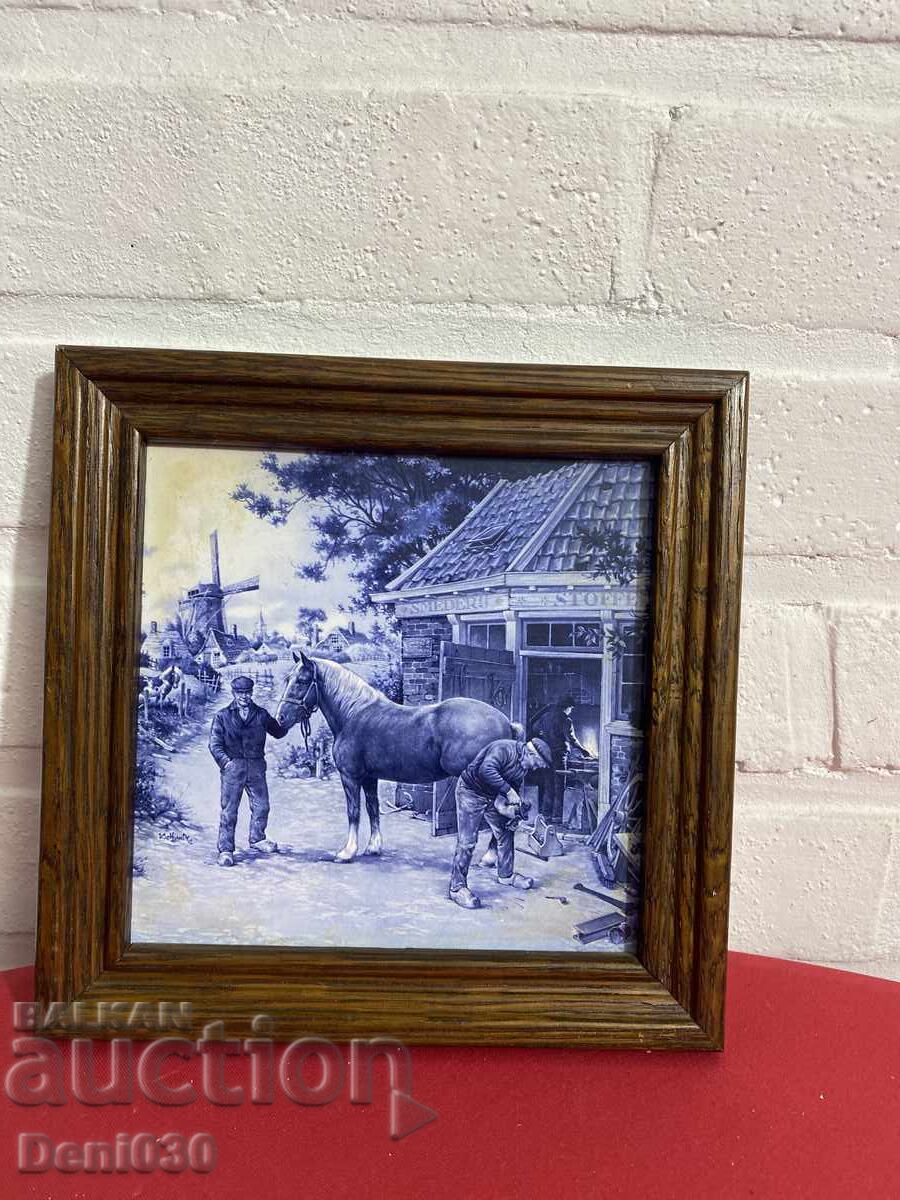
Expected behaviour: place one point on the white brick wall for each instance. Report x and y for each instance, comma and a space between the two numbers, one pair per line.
647, 181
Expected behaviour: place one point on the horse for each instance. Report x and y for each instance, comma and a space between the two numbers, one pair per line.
374, 738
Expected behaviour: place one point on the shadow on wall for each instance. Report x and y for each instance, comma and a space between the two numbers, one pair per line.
23, 552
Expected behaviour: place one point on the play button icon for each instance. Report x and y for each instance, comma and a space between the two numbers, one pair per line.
408, 1115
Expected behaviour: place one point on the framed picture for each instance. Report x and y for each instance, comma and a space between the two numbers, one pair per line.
392, 698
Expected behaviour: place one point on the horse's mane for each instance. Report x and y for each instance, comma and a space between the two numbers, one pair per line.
346, 689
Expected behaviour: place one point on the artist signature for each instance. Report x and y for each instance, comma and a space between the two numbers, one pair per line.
171, 835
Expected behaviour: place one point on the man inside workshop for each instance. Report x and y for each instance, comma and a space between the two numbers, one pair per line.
237, 741
557, 728
488, 790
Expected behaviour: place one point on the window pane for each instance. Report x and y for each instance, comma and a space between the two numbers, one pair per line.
636, 638
478, 635
497, 637
560, 634
633, 668
632, 675
589, 634
633, 703
537, 634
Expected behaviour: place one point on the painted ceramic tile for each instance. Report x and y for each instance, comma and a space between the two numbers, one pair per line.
391, 701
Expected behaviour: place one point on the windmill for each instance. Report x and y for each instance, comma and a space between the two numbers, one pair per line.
202, 607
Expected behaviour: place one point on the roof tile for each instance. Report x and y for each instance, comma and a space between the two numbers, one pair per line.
617, 494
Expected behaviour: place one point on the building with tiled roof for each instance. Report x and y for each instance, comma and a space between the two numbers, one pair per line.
220, 649
539, 524
341, 638
162, 647
541, 592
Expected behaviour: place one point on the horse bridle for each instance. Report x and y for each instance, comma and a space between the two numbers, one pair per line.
307, 707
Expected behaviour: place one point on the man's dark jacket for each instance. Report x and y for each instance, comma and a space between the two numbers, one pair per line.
499, 767
558, 730
231, 737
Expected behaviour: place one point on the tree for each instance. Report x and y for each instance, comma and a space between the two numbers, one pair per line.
383, 636
308, 621
378, 512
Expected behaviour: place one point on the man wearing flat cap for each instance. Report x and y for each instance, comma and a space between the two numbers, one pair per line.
488, 790
237, 741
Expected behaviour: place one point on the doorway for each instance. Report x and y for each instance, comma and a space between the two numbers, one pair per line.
548, 679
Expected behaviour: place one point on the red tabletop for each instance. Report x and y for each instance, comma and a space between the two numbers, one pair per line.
802, 1102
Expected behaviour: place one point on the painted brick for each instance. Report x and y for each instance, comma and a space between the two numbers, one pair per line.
20, 816
819, 790
16, 950
867, 675
18, 899
823, 461
20, 813
274, 182
20, 774
503, 59
421, 657
832, 19
808, 885
403, 329
834, 582
879, 968
22, 609
26, 434
782, 18
778, 219
887, 937
275, 195
784, 689
23, 562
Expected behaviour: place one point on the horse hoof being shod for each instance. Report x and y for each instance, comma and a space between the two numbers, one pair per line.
374, 738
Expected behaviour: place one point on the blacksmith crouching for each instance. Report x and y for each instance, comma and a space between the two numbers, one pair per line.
488, 790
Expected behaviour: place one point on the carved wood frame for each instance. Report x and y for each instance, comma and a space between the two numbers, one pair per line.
109, 404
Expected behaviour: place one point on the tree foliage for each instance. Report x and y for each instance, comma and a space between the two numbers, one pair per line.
607, 553
308, 621
379, 513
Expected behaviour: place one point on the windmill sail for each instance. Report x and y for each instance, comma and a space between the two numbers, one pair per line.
203, 607
244, 585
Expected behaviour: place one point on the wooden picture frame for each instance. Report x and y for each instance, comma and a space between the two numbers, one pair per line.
109, 404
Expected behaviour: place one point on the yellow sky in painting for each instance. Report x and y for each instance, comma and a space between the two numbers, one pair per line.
188, 495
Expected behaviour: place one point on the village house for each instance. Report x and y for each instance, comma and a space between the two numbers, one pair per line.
162, 647
514, 608
218, 649
221, 649
341, 638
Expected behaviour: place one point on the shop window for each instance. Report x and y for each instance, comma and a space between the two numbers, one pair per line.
537, 633
577, 635
488, 635
561, 634
588, 635
633, 676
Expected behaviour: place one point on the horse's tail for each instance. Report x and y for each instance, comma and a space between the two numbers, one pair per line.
518, 731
